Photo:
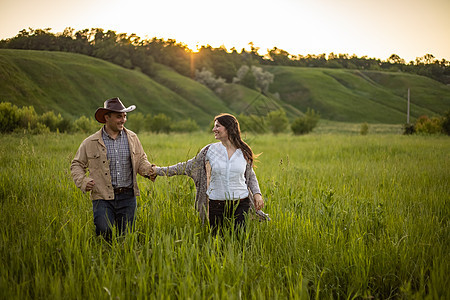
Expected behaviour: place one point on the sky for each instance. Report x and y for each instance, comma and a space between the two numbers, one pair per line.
372, 28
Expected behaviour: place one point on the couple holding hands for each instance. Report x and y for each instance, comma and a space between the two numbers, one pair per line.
107, 163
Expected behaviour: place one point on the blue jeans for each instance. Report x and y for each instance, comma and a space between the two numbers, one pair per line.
118, 212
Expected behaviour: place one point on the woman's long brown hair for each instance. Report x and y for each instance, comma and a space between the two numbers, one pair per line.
231, 124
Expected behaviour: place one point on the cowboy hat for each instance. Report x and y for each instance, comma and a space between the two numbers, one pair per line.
113, 104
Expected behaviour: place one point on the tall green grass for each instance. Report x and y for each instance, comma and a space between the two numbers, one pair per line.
352, 217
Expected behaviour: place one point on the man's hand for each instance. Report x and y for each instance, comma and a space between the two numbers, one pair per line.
90, 185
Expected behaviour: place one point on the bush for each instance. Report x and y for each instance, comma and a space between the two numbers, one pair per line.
136, 122
446, 123
188, 125
9, 117
25, 119
252, 123
277, 121
66, 125
160, 123
364, 128
86, 125
28, 117
408, 129
39, 128
50, 120
427, 125
305, 124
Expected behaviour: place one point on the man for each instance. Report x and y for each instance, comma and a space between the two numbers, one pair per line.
113, 156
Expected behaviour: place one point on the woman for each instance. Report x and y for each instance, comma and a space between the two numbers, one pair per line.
223, 175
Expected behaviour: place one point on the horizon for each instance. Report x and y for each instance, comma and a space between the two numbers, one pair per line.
377, 29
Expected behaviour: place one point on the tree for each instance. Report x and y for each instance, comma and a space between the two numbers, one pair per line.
254, 78
208, 79
396, 60
279, 56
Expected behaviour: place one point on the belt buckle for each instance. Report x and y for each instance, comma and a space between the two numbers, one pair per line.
120, 190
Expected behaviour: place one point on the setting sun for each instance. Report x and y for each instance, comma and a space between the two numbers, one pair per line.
373, 28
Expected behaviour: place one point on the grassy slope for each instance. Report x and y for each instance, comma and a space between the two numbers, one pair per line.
360, 96
196, 93
75, 85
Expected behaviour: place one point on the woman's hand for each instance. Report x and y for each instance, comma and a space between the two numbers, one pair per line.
259, 201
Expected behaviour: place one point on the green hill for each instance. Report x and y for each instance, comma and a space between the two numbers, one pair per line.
75, 85
360, 96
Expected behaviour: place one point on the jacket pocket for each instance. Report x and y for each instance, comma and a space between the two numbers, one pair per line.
93, 162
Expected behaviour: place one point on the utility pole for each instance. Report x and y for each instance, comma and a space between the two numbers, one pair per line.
407, 115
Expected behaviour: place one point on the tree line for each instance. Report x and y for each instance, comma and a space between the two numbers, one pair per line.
132, 52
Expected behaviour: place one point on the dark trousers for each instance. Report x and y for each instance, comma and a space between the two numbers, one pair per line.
221, 211
118, 212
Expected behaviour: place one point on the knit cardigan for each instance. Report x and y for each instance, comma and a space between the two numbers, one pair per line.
196, 169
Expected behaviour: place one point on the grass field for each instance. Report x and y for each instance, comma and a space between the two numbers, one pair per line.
353, 217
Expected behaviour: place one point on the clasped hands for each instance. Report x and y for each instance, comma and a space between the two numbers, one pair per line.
152, 174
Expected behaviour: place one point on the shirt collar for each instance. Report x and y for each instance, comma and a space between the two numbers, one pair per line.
105, 133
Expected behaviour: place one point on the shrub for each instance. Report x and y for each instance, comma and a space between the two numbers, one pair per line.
50, 120
408, 129
66, 125
446, 123
427, 125
364, 128
305, 124
188, 125
28, 117
136, 122
9, 117
39, 128
252, 123
277, 121
160, 123
86, 125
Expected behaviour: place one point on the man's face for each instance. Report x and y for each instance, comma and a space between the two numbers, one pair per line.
115, 121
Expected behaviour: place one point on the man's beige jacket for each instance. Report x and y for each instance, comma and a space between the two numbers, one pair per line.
91, 163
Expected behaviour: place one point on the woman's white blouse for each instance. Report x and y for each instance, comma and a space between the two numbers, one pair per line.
227, 175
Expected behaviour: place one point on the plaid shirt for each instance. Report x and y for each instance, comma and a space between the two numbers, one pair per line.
118, 153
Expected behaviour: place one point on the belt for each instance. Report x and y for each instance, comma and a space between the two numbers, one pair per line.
228, 201
121, 190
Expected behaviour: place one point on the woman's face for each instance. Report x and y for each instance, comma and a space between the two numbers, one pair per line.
220, 132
